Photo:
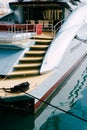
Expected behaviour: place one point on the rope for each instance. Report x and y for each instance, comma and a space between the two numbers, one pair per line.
25, 87
67, 112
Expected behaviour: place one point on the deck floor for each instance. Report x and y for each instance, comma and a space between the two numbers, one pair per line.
34, 81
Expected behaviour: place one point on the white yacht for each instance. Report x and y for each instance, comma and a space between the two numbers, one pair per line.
41, 43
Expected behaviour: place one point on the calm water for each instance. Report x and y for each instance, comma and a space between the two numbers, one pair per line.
72, 99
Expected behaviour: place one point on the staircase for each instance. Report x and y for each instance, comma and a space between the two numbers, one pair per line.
30, 64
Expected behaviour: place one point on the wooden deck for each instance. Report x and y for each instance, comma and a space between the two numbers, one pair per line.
34, 81
45, 35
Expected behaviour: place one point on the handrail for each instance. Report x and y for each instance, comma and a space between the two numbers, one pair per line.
15, 28
58, 25
31, 27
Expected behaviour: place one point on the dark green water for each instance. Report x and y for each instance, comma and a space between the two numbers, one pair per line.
72, 98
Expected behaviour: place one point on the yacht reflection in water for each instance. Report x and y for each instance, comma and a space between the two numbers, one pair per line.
76, 117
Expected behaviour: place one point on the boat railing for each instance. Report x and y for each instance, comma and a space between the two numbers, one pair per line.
17, 28
46, 26
57, 26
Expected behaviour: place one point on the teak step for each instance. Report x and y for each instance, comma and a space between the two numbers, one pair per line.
42, 42
38, 47
31, 59
24, 73
27, 66
43, 37
35, 53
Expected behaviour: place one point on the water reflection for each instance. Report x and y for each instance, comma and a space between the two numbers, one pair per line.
75, 92
77, 105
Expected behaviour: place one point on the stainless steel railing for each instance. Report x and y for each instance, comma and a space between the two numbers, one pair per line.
57, 26
46, 26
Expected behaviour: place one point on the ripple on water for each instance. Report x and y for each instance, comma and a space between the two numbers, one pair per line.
77, 102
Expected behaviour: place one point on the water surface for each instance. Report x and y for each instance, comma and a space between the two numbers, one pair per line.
72, 100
